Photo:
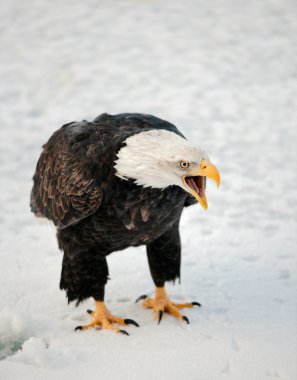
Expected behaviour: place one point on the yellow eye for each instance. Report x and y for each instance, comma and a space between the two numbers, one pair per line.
184, 164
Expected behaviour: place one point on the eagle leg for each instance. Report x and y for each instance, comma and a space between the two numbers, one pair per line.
102, 317
162, 303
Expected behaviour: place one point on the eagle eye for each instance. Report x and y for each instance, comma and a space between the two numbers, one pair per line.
184, 164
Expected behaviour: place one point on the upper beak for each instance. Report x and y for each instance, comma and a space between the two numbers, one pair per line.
194, 181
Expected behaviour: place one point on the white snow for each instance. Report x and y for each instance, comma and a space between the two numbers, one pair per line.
225, 73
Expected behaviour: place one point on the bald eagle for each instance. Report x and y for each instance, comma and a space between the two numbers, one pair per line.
113, 183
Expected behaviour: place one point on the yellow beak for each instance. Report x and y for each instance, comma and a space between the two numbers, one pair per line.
194, 181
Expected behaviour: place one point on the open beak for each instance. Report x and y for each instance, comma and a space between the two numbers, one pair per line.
194, 182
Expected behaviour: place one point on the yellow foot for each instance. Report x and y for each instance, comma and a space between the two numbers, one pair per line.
103, 318
162, 304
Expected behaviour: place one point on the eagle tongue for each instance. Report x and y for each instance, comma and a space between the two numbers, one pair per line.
192, 184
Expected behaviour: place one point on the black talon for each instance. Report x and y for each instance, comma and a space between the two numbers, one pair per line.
196, 303
90, 311
160, 316
124, 332
143, 297
131, 322
186, 319
78, 328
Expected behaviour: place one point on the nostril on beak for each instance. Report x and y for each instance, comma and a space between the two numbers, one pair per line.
203, 165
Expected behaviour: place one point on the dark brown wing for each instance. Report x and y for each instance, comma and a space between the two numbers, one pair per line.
65, 189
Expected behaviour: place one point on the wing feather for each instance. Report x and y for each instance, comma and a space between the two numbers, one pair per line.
64, 189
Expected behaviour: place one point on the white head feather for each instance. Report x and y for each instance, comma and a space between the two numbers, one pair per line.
152, 158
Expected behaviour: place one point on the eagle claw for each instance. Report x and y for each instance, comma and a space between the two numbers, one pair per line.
123, 332
160, 316
78, 328
196, 303
131, 322
186, 319
143, 297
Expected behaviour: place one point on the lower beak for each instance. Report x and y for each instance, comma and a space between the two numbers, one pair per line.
194, 182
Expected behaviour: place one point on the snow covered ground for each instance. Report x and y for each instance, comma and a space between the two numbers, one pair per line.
225, 73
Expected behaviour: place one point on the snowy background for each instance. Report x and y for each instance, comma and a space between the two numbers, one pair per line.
223, 71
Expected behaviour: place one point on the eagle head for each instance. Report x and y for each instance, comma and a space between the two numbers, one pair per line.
159, 158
